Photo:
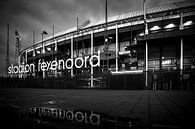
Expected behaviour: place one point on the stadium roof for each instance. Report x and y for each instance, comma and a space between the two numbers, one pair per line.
128, 14
161, 8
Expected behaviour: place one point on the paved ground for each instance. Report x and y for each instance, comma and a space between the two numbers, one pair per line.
159, 109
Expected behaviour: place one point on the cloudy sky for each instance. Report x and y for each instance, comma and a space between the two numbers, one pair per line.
38, 15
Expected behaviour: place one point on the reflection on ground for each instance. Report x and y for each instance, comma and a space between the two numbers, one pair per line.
81, 109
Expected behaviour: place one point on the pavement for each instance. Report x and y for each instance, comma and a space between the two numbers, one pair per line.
151, 109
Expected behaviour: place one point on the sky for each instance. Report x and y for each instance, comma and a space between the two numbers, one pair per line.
40, 15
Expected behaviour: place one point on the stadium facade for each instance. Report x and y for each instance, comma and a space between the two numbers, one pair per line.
133, 48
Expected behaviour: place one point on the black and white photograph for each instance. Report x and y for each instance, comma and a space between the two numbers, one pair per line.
97, 64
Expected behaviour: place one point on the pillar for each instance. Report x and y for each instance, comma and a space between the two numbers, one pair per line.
72, 53
146, 83
91, 55
181, 64
181, 54
34, 51
56, 46
55, 49
55, 72
43, 72
116, 47
19, 63
181, 27
43, 45
181, 43
34, 62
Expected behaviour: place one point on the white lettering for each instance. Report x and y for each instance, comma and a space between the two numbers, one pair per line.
76, 62
39, 63
79, 116
61, 62
43, 66
87, 57
9, 70
71, 61
91, 60
48, 64
79, 62
54, 65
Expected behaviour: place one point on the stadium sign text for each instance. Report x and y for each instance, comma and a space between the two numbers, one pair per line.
94, 61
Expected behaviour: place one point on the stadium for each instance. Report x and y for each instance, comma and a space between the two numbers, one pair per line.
147, 49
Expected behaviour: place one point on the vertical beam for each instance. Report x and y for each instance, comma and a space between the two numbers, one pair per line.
116, 47
55, 72
181, 54
181, 43
55, 49
33, 44
181, 27
55, 43
43, 45
56, 46
181, 21
160, 64
26, 60
34, 51
19, 63
43, 52
181, 64
92, 55
43, 72
7, 56
72, 53
146, 83
146, 32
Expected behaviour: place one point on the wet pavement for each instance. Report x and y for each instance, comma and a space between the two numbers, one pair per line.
159, 109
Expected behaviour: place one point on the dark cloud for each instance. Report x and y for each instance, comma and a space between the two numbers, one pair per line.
28, 15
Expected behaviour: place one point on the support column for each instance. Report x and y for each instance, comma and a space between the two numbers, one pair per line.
116, 47
55, 49
72, 53
55, 72
43, 48
91, 55
56, 46
43, 52
43, 72
146, 83
19, 63
34, 61
181, 64
181, 43
181, 54
160, 61
145, 33
181, 27
34, 54
34, 51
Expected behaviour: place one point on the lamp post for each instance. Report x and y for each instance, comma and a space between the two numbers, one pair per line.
43, 51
